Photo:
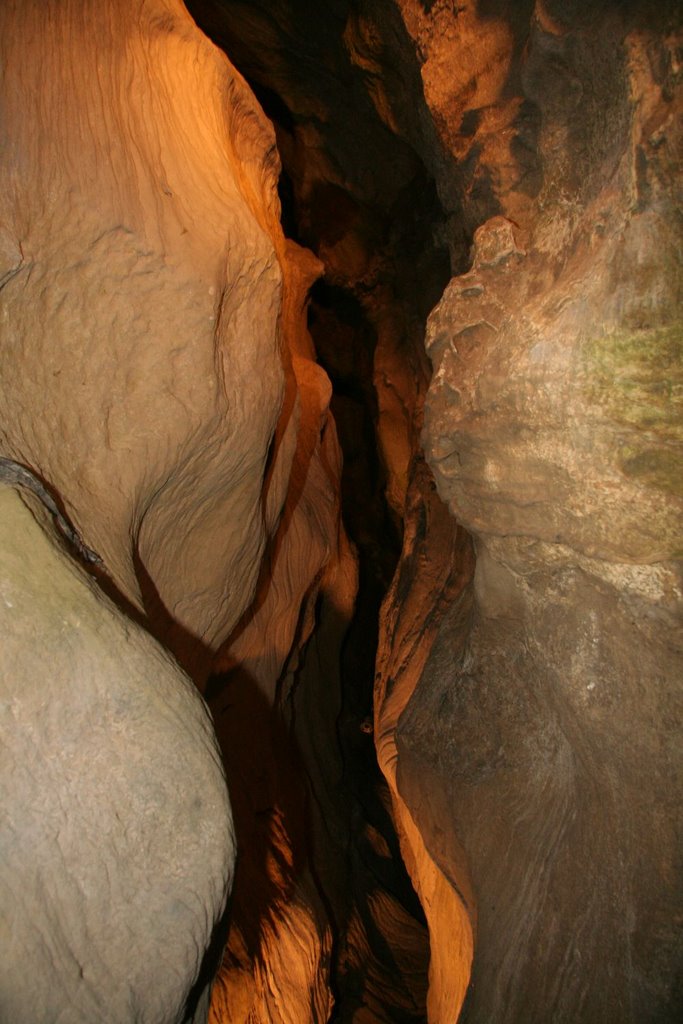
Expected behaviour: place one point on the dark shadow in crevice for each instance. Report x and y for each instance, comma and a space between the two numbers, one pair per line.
210, 965
345, 341
264, 771
190, 652
371, 208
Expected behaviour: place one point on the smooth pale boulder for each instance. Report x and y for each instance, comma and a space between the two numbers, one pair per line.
116, 840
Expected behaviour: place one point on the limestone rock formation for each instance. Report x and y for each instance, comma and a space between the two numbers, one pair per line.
505, 176
553, 426
276, 966
115, 829
142, 289
514, 717
435, 572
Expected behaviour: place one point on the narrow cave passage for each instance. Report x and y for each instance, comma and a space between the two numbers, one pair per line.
383, 904
175, 521
487, 143
370, 212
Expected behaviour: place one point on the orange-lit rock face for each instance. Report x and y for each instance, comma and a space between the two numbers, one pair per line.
471, 70
158, 375
435, 572
141, 341
528, 112
276, 966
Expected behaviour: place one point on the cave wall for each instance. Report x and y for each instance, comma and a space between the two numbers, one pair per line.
159, 375
277, 963
116, 834
138, 188
547, 736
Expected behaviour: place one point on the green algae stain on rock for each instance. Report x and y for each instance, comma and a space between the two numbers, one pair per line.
636, 378
658, 467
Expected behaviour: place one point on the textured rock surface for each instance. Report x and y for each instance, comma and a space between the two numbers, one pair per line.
276, 967
150, 379
116, 838
353, 204
434, 573
142, 290
546, 419
553, 430
527, 723
553, 426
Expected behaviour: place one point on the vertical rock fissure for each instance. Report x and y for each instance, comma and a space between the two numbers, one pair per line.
505, 735
361, 198
381, 949
377, 875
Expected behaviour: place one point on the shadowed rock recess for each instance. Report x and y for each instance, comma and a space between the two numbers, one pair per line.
348, 335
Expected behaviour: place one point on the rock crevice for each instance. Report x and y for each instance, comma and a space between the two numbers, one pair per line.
400, 492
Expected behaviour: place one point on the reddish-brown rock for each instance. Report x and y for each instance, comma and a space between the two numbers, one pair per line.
276, 967
553, 427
